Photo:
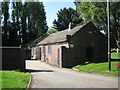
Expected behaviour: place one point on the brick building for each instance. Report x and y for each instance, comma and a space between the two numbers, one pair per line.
33, 47
71, 47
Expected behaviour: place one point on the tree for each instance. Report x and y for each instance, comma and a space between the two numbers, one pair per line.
37, 25
23, 23
17, 8
51, 30
65, 16
31, 20
5, 13
27, 22
97, 13
115, 22
14, 36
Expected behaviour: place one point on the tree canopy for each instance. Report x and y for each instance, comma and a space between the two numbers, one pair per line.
65, 16
27, 22
51, 30
97, 13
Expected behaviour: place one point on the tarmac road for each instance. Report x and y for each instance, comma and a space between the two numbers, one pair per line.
46, 76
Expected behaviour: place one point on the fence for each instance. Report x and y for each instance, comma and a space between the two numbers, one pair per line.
73, 56
13, 58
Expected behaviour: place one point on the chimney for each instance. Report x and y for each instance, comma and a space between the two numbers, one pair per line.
69, 27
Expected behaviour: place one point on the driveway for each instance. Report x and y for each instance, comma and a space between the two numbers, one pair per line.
46, 76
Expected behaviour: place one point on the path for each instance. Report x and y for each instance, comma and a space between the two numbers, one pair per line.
46, 76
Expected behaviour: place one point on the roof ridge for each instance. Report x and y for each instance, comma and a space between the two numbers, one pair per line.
60, 35
59, 32
67, 29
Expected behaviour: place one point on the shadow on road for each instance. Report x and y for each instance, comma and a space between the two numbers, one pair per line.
31, 70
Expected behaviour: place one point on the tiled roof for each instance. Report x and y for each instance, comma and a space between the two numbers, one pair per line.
61, 35
37, 41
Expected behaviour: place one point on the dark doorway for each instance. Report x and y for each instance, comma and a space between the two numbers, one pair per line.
40, 53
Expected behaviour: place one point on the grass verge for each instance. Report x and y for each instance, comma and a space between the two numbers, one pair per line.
115, 55
12, 79
101, 68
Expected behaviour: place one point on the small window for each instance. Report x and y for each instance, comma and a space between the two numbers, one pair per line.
90, 32
49, 49
71, 45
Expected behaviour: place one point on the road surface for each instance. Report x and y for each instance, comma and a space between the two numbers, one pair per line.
46, 76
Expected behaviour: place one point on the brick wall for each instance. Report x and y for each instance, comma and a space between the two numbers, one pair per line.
55, 56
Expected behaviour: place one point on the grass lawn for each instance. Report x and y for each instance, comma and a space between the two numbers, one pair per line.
101, 68
12, 79
115, 55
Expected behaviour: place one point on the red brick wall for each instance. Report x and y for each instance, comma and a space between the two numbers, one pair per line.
55, 56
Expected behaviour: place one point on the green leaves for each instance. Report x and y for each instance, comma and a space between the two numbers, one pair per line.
28, 22
65, 16
51, 30
97, 13
91, 11
37, 18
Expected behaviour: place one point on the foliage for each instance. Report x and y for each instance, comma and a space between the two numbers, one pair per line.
101, 68
115, 55
97, 13
65, 16
37, 19
5, 13
28, 22
51, 30
12, 79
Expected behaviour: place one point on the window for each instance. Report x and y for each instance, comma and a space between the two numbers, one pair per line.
71, 45
49, 49
90, 32
43, 50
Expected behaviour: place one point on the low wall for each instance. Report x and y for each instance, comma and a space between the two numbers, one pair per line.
13, 58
